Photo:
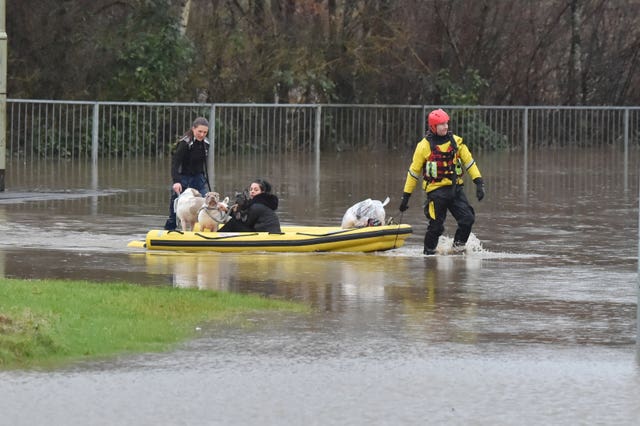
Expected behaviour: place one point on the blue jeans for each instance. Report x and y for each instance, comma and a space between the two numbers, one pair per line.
198, 182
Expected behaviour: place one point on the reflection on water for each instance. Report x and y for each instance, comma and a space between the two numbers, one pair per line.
295, 271
541, 311
459, 298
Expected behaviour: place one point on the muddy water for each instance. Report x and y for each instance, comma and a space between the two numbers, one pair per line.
536, 324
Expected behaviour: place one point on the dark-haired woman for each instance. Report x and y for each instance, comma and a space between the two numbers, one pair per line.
258, 214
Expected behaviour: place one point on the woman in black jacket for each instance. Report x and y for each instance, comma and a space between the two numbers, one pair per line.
258, 214
189, 165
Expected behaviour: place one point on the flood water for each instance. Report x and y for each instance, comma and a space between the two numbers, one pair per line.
535, 324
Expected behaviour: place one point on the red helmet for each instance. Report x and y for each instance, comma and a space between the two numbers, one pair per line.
437, 116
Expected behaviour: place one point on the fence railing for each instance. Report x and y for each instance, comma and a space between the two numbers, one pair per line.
99, 132
48, 140
64, 129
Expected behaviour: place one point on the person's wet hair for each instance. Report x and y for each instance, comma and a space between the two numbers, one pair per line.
264, 185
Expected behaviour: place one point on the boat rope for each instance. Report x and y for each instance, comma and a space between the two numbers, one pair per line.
399, 222
226, 236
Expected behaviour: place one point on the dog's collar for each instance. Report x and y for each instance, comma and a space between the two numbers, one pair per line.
215, 219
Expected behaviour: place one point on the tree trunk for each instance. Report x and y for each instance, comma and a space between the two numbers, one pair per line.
575, 60
184, 20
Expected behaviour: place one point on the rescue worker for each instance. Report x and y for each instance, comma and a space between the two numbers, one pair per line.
441, 158
189, 165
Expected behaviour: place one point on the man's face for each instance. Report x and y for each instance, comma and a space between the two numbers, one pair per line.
442, 129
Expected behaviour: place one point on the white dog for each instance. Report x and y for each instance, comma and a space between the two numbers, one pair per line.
214, 212
365, 213
187, 206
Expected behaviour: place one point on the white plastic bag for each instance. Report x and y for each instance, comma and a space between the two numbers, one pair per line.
365, 213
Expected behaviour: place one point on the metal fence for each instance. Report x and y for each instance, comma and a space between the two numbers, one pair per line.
52, 145
61, 129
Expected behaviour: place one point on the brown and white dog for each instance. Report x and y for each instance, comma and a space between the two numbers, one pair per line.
214, 212
187, 206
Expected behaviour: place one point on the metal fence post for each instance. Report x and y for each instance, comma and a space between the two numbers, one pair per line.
626, 149
212, 140
525, 148
317, 134
95, 129
3, 94
318, 130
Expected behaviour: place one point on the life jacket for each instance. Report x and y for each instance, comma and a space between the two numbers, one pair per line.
442, 164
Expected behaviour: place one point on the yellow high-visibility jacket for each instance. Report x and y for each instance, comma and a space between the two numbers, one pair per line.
422, 154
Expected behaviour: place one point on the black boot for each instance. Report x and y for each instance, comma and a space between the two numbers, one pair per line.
458, 247
170, 224
430, 243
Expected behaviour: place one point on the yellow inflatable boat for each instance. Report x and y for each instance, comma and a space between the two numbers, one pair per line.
292, 239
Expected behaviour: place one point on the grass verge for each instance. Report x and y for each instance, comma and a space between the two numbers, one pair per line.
47, 323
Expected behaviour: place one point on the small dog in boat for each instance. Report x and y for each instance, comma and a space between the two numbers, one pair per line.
187, 206
214, 212
365, 213
242, 200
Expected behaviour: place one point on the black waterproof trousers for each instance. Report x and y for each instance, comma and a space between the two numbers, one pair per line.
439, 201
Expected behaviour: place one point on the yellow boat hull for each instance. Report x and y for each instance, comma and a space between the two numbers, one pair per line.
292, 239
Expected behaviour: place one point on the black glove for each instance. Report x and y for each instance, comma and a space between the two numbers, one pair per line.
479, 188
404, 205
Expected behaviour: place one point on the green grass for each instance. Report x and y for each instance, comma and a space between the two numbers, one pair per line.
51, 322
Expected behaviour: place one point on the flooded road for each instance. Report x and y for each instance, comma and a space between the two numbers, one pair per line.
536, 324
